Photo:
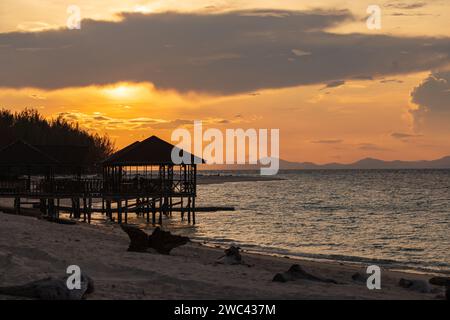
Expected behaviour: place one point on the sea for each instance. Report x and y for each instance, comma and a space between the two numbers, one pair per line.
394, 218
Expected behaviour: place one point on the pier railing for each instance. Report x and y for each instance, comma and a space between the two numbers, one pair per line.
94, 187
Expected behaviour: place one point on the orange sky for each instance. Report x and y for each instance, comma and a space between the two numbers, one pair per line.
347, 120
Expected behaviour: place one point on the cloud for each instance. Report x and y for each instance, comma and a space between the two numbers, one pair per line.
391, 81
330, 141
334, 84
300, 53
37, 97
404, 5
371, 147
97, 120
432, 97
404, 136
223, 53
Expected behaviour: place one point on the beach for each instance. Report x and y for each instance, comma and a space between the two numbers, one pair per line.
32, 249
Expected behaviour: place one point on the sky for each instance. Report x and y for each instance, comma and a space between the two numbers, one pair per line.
337, 90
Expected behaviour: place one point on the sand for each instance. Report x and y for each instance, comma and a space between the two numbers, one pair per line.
31, 249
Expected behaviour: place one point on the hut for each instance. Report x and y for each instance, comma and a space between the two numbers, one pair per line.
19, 162
143, 177
46, 173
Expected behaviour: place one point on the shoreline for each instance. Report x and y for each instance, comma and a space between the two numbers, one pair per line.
355, 263
315, 257
31, 249
204, 179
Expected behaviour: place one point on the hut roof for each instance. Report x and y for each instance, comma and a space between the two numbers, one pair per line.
152, 151
20, 153
67, 155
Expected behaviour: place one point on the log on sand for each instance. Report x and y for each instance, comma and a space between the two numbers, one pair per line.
50, 289
296, 272
161, 241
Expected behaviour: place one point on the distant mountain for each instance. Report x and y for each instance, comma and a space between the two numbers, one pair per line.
367, 163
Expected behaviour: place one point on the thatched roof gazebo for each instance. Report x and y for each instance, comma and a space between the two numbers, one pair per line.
142, 175
145, 171
28, 171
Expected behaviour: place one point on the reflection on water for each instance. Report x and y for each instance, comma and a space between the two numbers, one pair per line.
397, 217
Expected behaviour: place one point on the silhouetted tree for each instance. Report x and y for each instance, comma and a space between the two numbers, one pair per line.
30, 126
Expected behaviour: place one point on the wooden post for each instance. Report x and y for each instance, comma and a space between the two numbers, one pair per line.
76, 208
57, 208
43, 206
71, 213
153, 211
195, 193
17, 205
103, 206
119, 211
109, 209
90, 210
84, 209
189, 209
126, 211
161, 211
193, 209
182, 209
160, 208
138, 206
147, 210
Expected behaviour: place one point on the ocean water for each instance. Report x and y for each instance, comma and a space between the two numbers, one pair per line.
394, 218
399, 218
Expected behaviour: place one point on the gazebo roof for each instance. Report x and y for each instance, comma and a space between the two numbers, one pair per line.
151, 151
67, 155
22, 154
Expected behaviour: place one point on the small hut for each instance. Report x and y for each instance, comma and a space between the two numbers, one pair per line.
19, 162
46, 173
144, 174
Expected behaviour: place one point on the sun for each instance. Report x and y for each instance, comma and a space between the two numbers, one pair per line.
119, 92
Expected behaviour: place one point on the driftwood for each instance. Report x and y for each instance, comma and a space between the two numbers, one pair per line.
50, 289
161, 241
415, 285
232, 256
296, 272
440, 281
359, 277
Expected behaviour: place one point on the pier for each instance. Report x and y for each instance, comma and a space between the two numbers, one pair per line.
140, 178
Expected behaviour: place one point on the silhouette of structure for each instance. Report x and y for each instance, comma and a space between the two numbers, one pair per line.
140, 178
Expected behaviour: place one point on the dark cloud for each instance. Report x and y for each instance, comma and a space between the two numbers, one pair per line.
391, 81
432, 97
405, 5
334, 84
223, 53
101, 118
404, 14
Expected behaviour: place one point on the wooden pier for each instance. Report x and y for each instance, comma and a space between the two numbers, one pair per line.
140, 179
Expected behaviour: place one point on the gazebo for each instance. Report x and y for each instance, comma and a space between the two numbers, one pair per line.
144, 176
47, 173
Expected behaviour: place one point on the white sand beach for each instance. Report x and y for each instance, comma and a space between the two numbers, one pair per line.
31, 249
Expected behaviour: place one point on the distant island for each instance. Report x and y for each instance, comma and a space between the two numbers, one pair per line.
367, 163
